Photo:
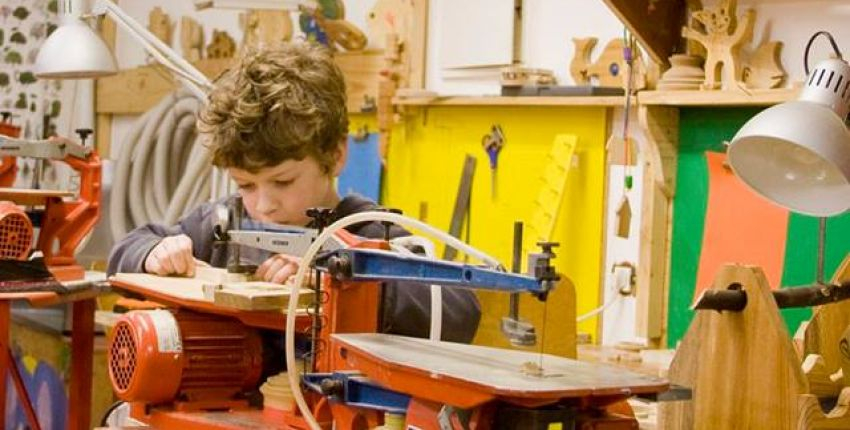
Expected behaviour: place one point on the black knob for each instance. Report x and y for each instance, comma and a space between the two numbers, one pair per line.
6, 115
331, 387
322, 217
340, 267
548, 246
84, 134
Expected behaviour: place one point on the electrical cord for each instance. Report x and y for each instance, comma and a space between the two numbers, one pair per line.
809, 47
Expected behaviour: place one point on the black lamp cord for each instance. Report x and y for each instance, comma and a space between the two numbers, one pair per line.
809, 47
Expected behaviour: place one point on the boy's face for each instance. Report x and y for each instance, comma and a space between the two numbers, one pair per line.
282, 194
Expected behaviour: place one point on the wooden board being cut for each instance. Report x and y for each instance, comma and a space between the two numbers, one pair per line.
239, 295
499, 370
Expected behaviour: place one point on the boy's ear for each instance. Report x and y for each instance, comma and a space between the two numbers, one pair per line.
341, 156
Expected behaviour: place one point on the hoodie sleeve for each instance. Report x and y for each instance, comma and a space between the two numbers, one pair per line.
129, 254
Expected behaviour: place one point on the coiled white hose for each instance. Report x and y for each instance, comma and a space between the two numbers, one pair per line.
162, 170
303, 268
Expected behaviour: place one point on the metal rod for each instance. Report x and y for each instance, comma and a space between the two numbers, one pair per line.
735, 300
516, 267
821, 248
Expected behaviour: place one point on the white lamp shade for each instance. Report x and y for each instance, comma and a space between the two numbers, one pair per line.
796, 154
74, 51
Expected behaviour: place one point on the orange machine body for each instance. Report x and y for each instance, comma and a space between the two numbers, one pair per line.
352, 307
65, 222
16, 233
200, 361
8, 165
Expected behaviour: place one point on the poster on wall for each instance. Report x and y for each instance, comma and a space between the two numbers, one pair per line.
35, 105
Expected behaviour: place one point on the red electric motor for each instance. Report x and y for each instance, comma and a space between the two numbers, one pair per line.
16, 234
161, 356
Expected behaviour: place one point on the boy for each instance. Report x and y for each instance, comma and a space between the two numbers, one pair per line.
278, 123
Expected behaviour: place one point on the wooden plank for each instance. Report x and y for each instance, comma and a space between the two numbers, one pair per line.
103, 135
741, 365
251, 295
607, 101
135, 91
417, 45
656, 24
258, 296
659, 149
361, 70
718, 97
103, 122
27, 197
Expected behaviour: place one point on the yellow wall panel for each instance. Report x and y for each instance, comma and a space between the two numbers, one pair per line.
425, 162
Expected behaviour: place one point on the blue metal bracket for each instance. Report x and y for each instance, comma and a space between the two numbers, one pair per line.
354, 389
376, 265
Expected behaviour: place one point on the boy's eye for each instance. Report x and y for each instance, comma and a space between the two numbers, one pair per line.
246, 187
281, 183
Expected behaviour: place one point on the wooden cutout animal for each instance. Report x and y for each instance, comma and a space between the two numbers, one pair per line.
764, 67
610, 69
340, 32
191, 39
221, 45
159, 23
262, 28
717, 29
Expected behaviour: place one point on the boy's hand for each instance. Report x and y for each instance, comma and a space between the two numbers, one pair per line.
278, 268
172, 256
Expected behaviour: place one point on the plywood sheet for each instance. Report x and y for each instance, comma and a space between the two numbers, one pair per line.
500, 370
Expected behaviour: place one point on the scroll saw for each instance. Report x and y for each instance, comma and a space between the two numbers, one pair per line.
357, 378
63, 222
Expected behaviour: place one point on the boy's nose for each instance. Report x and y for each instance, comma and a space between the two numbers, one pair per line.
265, 204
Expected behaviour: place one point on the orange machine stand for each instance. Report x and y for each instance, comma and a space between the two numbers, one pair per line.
82, 350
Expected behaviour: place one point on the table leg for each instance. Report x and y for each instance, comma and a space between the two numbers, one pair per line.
5, 344
82, 351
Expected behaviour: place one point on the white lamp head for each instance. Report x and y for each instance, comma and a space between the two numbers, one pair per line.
797, 154
74, 50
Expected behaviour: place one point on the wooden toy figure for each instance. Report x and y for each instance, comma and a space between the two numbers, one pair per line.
722, 39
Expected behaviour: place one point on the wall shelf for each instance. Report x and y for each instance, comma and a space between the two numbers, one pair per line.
606, 101
718, 98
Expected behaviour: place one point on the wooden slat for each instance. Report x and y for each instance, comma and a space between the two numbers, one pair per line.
511, 101
417, 41
135, 91
660, 125
656, 24
29, 197
718, 97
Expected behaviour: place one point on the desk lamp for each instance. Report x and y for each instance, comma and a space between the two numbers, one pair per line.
797, 154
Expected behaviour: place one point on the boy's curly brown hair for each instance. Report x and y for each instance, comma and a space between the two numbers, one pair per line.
277, 104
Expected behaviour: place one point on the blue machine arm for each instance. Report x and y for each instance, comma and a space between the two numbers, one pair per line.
377, 265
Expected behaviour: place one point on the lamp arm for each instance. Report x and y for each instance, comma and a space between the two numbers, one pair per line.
187, 74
